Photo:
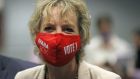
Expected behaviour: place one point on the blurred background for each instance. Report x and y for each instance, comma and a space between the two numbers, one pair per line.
16, 41
126, 16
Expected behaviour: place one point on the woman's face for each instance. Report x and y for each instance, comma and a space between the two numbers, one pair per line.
57, 24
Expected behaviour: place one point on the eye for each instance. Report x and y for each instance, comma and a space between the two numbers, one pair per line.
49, 28
68, 29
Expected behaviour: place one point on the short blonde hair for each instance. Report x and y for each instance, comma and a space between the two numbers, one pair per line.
76, 5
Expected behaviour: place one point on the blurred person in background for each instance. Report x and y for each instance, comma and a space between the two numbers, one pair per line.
9, 66
107, 50
134, 69
60, 30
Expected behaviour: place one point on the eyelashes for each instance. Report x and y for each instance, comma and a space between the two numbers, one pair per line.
64, 28
68, 29
49, 29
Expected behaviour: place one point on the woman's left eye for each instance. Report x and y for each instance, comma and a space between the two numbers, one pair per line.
68, 30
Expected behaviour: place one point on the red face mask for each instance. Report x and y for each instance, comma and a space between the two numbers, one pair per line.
58, 49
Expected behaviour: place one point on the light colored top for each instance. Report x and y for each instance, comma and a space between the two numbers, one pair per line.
97, 54
85, 71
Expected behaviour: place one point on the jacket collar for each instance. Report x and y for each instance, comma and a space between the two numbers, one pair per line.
41, 74
83, 71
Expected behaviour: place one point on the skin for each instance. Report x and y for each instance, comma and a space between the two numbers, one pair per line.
57, 24
105, 27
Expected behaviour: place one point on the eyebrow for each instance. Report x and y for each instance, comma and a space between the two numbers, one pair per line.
48, 23
70, 23
66, 22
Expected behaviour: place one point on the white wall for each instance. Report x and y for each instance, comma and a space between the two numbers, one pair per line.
18, 44
17, 37
1, 4
125, 13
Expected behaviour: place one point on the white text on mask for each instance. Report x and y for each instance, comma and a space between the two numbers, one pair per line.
42, 43
70, 48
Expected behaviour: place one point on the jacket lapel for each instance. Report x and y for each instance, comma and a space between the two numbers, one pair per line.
84, 72
41, 74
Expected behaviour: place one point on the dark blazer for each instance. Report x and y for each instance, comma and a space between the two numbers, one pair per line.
10, 66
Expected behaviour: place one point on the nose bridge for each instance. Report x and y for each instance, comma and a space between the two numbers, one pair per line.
58, 29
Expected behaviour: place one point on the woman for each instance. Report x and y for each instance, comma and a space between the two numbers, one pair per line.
60, 29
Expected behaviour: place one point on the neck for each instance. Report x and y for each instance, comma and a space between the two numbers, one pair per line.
65, 72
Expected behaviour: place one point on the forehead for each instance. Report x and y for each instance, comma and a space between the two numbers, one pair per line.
60, 14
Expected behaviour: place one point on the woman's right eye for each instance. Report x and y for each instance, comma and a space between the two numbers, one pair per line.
49, 28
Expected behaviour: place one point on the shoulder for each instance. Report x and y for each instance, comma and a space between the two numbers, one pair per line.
16, 62
103, 74
31, 73
97, 72
95, 41
119, 41
12, 65
93, 44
